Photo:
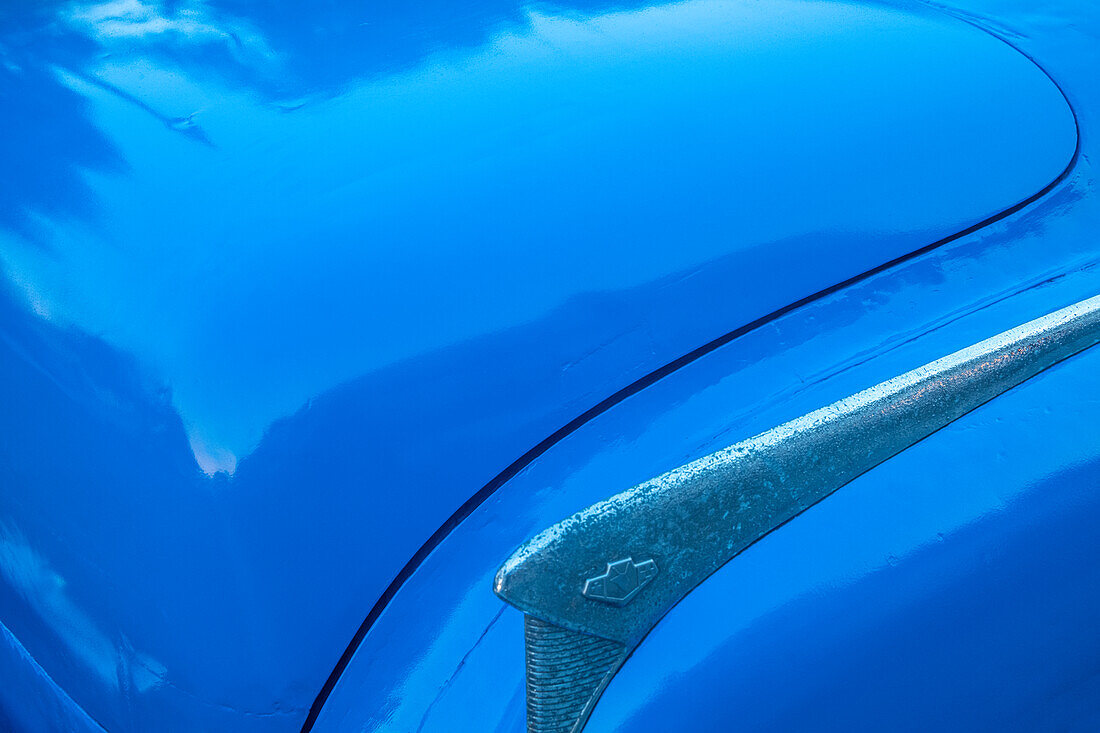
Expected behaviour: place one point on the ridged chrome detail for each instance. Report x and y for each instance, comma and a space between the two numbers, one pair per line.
565, 671
692, 520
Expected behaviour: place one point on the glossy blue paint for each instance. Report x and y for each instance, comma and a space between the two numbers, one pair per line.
441, 642
284, 287
946, 589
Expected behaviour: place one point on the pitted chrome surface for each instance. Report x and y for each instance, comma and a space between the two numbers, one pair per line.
694, 519
565, 672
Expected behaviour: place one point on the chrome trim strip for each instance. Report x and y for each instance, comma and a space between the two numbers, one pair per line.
682, 526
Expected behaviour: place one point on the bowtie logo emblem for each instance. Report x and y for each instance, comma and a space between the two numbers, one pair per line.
622, 581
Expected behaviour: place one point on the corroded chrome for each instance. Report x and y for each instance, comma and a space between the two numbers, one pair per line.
694, 519
566, 671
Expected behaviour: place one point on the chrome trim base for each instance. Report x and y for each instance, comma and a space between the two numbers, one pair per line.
691, 521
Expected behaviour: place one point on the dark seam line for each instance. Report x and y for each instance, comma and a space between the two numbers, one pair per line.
523, 461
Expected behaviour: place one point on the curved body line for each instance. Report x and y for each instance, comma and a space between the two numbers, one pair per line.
692, 520
478, 498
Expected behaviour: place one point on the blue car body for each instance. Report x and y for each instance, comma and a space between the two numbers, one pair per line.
310, 313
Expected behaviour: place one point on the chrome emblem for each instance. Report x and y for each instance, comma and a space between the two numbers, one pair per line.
622, 581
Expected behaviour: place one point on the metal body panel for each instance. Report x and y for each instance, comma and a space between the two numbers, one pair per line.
442, 642
955, 591
268, 318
